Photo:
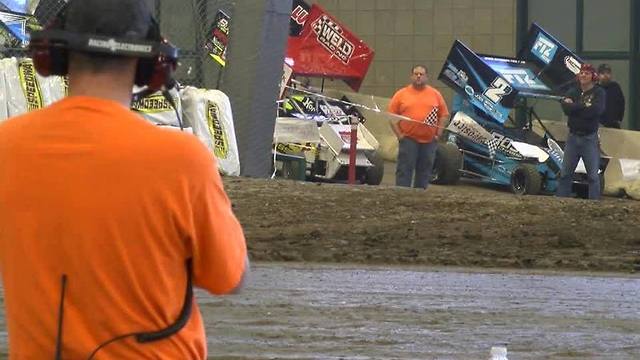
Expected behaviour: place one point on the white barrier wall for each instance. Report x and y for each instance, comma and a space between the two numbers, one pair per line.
205, 113
208, 112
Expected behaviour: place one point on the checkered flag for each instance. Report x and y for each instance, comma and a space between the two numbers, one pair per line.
493, 144
432, 118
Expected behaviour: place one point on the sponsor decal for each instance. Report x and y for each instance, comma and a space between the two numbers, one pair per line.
217, 131
504, 145
346, 136
465, 126
489, 100
459, 77
294, 148
330, 35
218, 38
499, 89
30, 85
299, 15
572, 64
332, 110
152, 104
522, 78
544, 48
113, 45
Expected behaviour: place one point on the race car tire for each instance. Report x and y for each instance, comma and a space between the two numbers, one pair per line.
446, 167
374, 173
526, 180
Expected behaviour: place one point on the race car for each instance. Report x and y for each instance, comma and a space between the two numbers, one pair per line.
318, 130
490, 144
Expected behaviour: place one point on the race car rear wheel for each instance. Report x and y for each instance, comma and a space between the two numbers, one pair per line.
374, 173
526, 180
446, 167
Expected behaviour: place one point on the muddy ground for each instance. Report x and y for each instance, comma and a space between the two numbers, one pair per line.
464, 225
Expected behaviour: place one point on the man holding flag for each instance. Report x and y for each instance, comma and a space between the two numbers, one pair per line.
423, 112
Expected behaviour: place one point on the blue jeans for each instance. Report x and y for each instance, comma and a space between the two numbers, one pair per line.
585, 147
414, 157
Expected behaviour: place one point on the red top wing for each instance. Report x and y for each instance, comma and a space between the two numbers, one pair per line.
326, 48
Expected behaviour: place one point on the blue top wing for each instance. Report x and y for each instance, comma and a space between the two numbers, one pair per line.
556, 64
492, 84
471, 77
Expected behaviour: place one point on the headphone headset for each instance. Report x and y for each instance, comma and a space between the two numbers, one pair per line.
158, 59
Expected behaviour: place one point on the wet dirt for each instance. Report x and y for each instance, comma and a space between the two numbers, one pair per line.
463, 225
302, 311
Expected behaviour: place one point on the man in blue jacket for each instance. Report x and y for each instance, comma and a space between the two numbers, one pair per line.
584, 106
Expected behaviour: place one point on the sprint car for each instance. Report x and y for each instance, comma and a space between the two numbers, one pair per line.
485, 142
318, 129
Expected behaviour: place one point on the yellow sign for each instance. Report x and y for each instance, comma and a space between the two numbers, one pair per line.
217, 131
30, 86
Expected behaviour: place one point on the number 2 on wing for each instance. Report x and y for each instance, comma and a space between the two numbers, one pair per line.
499, 89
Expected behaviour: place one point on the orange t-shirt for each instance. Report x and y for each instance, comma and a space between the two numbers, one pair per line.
91, 190
418, 105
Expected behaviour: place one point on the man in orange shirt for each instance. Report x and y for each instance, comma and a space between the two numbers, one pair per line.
418, 137
106, 220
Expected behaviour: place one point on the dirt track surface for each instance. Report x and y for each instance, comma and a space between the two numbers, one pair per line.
445, 225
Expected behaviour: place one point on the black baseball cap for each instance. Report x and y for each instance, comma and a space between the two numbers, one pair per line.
128, 19
604, 68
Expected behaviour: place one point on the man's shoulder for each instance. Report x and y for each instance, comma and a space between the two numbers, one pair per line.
433, 90
15, 123
403, 90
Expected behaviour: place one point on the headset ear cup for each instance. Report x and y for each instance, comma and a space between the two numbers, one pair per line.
144, 71
59, 61
162, 72
49, 60
154, 72
41, 61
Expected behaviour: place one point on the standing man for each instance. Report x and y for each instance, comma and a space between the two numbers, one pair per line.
105, 219
614, 105
418, 137
584, 106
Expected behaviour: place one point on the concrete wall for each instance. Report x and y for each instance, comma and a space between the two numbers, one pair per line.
407, 32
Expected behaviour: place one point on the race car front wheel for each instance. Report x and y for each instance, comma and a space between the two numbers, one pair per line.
446, 168
526, 180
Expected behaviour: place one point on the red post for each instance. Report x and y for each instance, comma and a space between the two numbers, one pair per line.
352, 150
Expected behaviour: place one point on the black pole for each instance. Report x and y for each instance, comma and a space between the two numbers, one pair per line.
255, 61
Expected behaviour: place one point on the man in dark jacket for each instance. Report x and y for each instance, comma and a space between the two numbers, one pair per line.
584, 106
614, 106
